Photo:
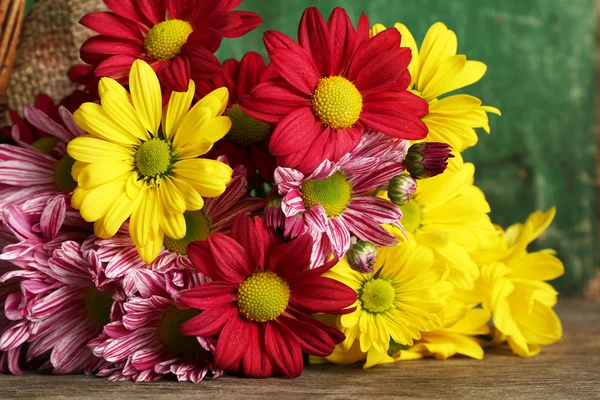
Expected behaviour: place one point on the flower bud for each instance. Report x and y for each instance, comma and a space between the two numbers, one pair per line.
361, 256
401, 189
427, 159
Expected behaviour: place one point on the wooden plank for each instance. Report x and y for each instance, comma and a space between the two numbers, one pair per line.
541, 66
569, 369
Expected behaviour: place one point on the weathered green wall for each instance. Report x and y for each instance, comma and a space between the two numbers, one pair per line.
540, 54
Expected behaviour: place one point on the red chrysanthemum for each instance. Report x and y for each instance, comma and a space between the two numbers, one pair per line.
176, 37
247, 142
331, 86
259, 299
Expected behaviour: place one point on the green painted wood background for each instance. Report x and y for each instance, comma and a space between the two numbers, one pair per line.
541, 62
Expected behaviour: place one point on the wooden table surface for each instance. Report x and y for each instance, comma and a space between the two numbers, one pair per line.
569, 369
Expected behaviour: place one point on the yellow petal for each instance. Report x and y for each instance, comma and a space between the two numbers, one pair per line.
92, 118
146, 95
99, 200
171, 198
194, 149
119, 108
537, 266
409, 41
192, 138
376, 29
191, 125
193, 201
121, 209
145, 219
78, 166
150, 251
541, 221
78, 196
107, 84
208, 177
178, 107
97, 174
90, 149
439, 44
454, 72
216, 101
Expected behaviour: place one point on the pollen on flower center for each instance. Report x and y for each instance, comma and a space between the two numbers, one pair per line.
98, 305
165, 39
246, 130
337, 102
263, 296
197, 228
377, 295
333, 193
153, 158
411, 216
169, 336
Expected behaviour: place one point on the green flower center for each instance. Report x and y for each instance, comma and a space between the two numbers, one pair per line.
153, 158
98, 305
63, 180
165, 39
197, 228
45, 145
246, 130
337, 102
333, 193
377, 295
411, 216
169, 336
263, 296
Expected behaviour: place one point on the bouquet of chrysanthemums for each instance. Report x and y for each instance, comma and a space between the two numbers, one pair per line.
181, 216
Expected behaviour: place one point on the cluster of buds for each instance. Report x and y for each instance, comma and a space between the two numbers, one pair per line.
427, 159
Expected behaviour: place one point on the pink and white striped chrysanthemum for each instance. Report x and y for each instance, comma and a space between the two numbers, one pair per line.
44, 167
145, 344
217, 215
63, 304
335, 202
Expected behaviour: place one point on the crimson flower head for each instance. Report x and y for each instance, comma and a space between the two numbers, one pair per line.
177, 38
259, 300
247, 142
333, 85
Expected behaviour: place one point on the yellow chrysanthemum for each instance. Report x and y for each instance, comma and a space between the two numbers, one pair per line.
436, 70
140, 162
513, 288
403, 298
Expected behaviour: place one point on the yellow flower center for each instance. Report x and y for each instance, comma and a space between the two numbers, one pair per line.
246, 130
333, 193
98, 305
411, 216
153, 158
377, 295
45, 145
169, 336
165, 39
337, 102
197, 228
63, 180
263, 296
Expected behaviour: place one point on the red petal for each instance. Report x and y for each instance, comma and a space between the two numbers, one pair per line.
372, 49
337, 336
265, 162
201, 258
208, 38
389, 117
247, 21
310, 273
180, 9
209, 322
296, 67
253, 236
111, 24
81, 73
385, 73
231, 258
272, 100
321, 294
252, 66
128, 9
321, 149
313, 36
209, 295
203, 63
284, 351
175, 73
256, 363
233, 342
343, 41
98, 48
117, 67
296, 131
277, 40
154, 10
290, 258
363, 29
311, 339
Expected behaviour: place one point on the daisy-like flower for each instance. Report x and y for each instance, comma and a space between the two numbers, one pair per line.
38, 164
132, 164
145, 344
64, 304
217, 216
177, 38
247, 142
514, 288
331, 86
437, 70
405, 296
335, 201
259, 299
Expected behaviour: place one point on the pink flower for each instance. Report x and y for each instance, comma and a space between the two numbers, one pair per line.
119, 252
62, 305
43, 167
335, 203
145, 343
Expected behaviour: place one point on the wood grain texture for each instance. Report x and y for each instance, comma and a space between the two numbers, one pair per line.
568, 369
541, 61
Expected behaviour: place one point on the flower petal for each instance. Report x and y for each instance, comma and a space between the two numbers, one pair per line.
146, 95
